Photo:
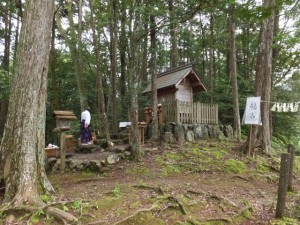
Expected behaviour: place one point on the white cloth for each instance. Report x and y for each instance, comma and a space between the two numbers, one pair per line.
284, 107
296, 107
85, 115
290, 107
274, 107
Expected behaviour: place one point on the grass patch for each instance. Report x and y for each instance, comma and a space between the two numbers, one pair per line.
235, 166
141, 170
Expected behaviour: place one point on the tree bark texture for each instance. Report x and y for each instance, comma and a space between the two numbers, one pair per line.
283, 184
174, 50
291, 151
101, 100
136, 142
263, 81
7, 16
22, 146
122, 49
233, 75
153, 78
113, 66
74, 42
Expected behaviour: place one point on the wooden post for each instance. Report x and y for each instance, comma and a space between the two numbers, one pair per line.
282, 186
177, 116
250, 141
62, 152
291, 151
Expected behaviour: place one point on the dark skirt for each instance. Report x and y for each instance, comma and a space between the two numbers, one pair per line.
85, 133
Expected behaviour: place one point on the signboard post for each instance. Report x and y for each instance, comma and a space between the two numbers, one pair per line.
252, 116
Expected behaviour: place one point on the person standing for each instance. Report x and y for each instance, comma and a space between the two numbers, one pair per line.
85, 132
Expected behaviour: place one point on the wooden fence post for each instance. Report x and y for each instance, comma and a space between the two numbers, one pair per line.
62, 152
177, 111
282, 186
291, 151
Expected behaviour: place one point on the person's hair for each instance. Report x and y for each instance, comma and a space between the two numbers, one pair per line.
88, 109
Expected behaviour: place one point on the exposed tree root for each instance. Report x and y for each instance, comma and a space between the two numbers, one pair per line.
223, 220
136, 213
181, 207
242, 178
158, 190
223, 199
58, 214
214, 196
97, 222
196, 192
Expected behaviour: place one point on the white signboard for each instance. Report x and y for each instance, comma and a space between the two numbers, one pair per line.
252, 111
124, 124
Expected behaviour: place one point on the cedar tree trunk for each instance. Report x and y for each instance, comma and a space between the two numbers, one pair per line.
22, 146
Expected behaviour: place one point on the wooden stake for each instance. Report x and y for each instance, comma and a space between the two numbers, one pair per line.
250, 141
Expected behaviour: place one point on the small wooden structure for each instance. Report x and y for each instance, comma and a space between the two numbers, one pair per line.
52, 152
177, 84
175, 89
141, 127
64, 119
63, 124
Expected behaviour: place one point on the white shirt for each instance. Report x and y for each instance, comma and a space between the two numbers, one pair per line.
85, 115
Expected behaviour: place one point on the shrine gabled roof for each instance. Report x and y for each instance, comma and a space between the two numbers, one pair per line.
173, 77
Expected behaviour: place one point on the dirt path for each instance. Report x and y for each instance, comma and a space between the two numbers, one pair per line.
175, 185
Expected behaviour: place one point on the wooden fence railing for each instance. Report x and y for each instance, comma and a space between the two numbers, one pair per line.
190, 112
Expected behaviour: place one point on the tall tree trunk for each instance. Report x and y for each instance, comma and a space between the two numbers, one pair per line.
263, 81
16, 38
173, 34
54, 83
113, 65
7, 17
99, 77
153, 68
203, 45
54, 89
133, 82
74, 42
7, 35
122, 49
22, 146
144, 74
211, 58
233, 74
81, 80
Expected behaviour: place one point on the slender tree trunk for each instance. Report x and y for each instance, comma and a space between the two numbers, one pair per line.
52, 73
123, 81
153, 68
7, 36
233, 74
113, 66
133, 84
173, 34
16, 39
211, 58
22, 146
74, 42
203, 45
99, 77
7, 16
144, 66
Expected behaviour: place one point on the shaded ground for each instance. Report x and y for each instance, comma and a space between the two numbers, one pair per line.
199, 183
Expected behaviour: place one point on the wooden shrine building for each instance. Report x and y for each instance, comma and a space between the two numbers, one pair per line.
175, 89
177, 84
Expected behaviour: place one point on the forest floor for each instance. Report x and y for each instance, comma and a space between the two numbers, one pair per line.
206, 182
